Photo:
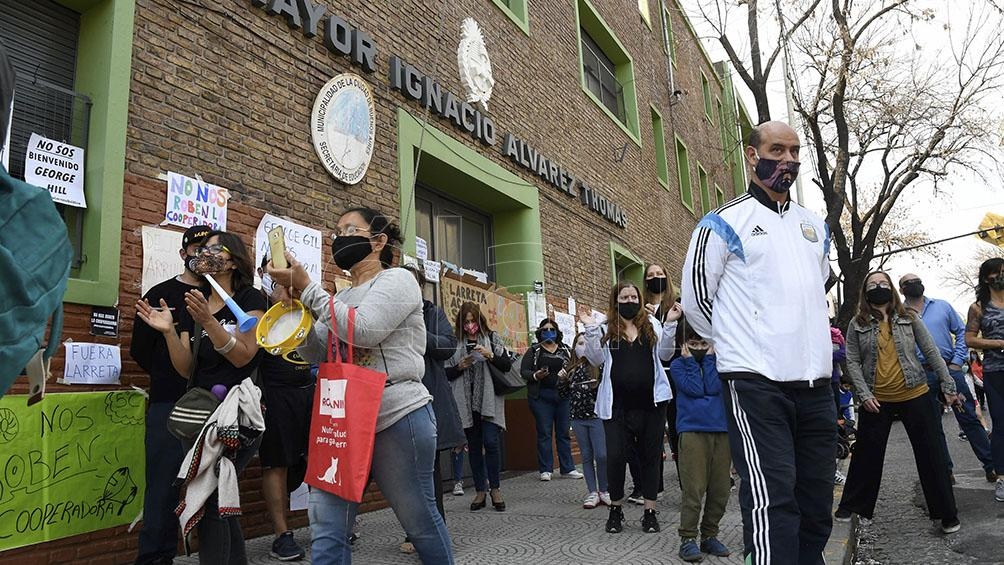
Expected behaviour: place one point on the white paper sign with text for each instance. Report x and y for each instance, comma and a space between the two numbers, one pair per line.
92, 364
161, 256
302, 242
59, 167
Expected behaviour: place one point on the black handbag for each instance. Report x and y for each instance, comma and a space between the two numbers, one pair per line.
191, 411
506, 382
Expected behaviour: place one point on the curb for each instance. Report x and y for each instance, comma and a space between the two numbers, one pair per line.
843, 537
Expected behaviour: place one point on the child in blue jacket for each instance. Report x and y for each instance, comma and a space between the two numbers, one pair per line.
704, 459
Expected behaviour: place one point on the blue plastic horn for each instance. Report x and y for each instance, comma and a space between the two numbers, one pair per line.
245, 322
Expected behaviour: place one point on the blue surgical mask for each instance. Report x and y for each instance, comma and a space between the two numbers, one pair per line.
548, 335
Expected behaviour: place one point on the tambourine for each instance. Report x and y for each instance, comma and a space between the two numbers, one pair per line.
283, 328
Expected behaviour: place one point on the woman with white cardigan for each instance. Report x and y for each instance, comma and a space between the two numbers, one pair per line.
633, 393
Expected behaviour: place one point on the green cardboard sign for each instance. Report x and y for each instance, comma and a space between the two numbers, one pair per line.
73, 463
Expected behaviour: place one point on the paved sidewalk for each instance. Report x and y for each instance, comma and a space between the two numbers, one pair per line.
544, 524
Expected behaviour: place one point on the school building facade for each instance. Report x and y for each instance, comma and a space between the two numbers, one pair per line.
608, 133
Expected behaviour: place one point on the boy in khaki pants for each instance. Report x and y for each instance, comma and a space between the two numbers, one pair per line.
704, 460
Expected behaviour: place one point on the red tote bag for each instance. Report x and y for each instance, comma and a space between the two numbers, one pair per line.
343, 422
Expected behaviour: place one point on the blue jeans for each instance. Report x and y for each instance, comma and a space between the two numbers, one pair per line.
593, 448
967, 419
159, 537
993, 384
550, 412
458, 466
403, 457
484, 452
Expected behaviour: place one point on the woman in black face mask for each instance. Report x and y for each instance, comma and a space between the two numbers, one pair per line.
659, 301
890, 382
540, 367
390, 337
632, 396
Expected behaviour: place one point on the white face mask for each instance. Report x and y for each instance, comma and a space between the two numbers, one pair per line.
267, 284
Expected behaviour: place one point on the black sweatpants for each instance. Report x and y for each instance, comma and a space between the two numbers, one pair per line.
865, 475
783, 438
640, 429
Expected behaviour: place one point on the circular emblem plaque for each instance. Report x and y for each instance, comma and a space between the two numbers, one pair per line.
343, 126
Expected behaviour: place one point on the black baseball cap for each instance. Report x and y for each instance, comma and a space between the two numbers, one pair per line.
194, 234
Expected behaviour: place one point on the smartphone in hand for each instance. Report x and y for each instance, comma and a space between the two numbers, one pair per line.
277, 247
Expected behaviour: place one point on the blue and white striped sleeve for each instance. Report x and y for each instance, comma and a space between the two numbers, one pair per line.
710, 245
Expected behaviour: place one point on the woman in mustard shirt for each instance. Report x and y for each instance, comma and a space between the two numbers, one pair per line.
889, 381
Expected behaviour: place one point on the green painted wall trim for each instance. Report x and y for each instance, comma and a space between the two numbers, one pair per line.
104, 63
467, 175
635, 271
683, 174
517, 12
586, 17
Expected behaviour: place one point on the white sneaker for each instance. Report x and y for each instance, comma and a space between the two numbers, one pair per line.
605, 498
999, 490
839, 479
591, 501
573, 474
545, 476
458, 489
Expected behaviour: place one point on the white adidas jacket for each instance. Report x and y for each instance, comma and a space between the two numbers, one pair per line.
754, 283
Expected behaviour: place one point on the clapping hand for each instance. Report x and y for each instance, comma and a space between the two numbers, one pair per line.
159, 319
198, 307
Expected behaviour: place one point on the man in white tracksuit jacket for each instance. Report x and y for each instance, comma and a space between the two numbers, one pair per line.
754, 281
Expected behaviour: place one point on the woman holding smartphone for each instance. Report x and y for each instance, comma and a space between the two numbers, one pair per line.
482, 412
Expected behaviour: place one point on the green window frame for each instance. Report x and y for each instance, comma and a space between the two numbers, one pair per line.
720, 195
104, 48
706, 91
625, 265
659, 135
702, 182
645, 13
589, 24
683, 174
668, 42
517, 11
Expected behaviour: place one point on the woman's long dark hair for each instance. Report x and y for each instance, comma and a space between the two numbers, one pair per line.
615, 325
243, 275
989, 267
473, 308
380, 224
868, 311
668, 297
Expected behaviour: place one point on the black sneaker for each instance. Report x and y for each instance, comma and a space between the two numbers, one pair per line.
950, 525
615, 522
842, 515
285, 548
636, 498
649, 523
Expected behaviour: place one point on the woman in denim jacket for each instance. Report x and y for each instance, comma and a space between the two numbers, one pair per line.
889, 381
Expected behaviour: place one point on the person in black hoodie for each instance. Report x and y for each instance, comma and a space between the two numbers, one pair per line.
158, 540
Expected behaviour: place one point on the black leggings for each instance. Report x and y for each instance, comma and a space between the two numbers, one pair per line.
640, 429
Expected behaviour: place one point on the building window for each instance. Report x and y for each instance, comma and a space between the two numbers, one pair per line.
702, 181
517, 12
646, 15
453, 232
719, 195
706, 91
683, 175
626, 266
659, 135
607, 70
87, 109
668, 44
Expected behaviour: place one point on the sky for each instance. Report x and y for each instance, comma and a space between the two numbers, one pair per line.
961, 201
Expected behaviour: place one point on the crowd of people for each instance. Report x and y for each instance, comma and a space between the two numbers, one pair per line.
701, 369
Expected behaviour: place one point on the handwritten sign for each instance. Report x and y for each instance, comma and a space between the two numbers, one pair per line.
566, 323
58, 167
192, 202
432, 269
421, 249
92, 364
161, 257
505, 312
71, 464
302, 242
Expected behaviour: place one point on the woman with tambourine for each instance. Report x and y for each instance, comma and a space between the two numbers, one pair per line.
389, 337
224, 357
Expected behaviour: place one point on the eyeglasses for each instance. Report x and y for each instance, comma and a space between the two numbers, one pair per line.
348, 231
215, 249
882, 284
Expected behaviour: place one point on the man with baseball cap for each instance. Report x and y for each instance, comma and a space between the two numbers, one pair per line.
158, 540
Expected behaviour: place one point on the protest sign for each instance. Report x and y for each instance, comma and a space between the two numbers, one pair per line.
92, 364
302, 242
161, 259
566, 323
74, 463
193, 202
505, 312
58, 167
421, 249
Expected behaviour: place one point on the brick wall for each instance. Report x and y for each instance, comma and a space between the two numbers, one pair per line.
224, 90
